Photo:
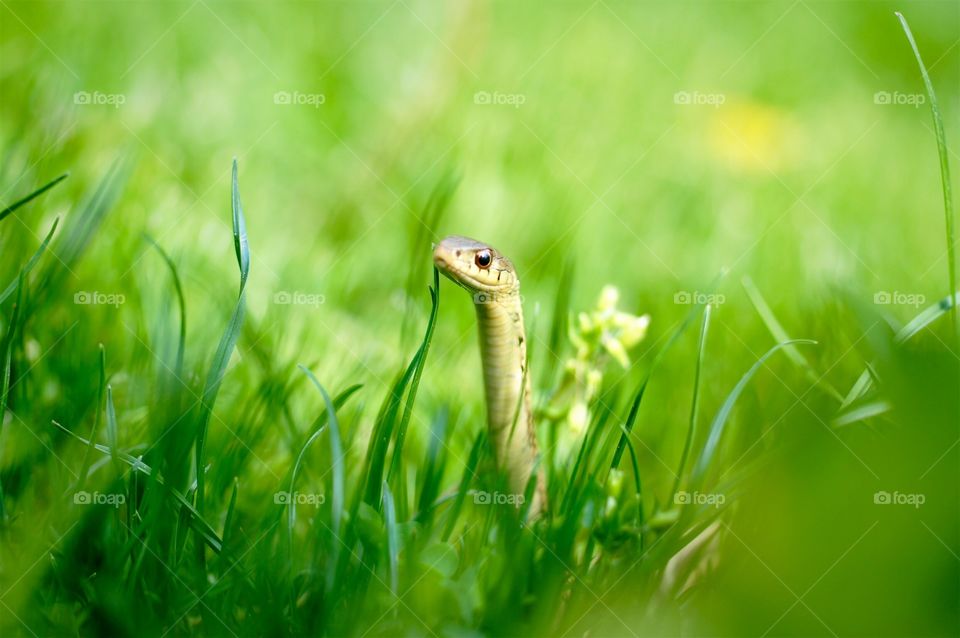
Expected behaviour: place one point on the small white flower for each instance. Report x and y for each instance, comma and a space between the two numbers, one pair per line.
632, 329
616, 350
609, 297
594, 379
578, 417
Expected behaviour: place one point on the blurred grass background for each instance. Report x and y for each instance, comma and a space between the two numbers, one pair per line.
561, 134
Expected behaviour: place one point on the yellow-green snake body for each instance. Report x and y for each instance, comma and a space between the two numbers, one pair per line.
495, 288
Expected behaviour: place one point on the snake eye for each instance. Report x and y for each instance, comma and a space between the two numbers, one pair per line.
484, 259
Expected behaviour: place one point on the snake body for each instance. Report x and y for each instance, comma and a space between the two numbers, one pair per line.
495, 288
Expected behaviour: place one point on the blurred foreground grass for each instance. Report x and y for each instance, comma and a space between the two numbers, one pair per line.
648, 146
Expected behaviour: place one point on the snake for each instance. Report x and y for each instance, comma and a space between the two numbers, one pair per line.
492, 281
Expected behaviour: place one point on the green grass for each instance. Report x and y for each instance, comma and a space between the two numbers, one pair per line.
944, 176
303, 453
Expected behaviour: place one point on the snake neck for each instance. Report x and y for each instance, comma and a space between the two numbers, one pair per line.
503, 347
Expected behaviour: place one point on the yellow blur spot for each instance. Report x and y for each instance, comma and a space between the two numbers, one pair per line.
753, 137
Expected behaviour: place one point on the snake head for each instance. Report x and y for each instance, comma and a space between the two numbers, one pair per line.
475, 266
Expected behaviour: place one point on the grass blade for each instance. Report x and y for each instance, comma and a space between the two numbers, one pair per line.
927, 317
780, 336
424, 226
80, 228
336, 454
913, 328
433, 466
227, 342
859, 388
694, 404
197, 522
390, 520
469, 474
576, 482
212, 387
418, 362
862, 413
329, 416
37, 193
178, 289
292, 508
8, 348
637, 485
240, 242
111, 424
720, 420
98, 412
380, 440
560, 320
944, 175
228, 521
338, 402
641, 390
31, 262
7, 363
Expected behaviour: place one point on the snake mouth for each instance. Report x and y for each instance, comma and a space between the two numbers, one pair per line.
457, 272
454, 274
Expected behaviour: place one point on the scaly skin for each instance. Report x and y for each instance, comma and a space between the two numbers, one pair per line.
492, 281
